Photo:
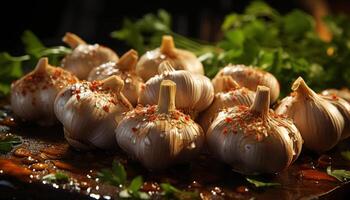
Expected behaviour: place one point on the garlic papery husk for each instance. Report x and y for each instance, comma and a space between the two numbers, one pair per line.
254, 139
248, 77
85, 57
125, 69
344, 108
236, 95
343, 93
33, 95
181, 59
91, 111
319, 122
194, 94
159, 135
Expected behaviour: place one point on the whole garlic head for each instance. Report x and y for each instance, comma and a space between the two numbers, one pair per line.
248, 77
33, 95
254, 140
195, 91
125, 69
319, 122
344, 108
91, 111
235, 95
84, 56
160, 136
147, 67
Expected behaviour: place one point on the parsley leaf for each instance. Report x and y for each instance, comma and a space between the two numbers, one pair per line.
257, 183
55, 178
340, 174
172, 191
115, 176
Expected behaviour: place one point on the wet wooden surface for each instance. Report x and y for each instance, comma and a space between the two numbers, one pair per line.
45, 151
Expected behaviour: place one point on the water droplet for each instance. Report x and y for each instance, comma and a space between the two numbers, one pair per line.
162, 135
147, 141
134, 141
192, 145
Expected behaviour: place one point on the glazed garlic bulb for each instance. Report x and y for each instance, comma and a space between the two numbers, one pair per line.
254, 140
125, 69
160, 136
84, 56
91, 111
181, 60
344, 108
194, 94
319, 122
248, 77
233, 96
33, 95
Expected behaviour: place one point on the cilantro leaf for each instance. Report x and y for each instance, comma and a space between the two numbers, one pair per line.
340, 174
115, 176
257, 183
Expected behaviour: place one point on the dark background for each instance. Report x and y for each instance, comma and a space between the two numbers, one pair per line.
93, 20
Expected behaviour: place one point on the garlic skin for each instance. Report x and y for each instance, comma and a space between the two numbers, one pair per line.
343, 93
194, 94
33, 95
181, 59
248, 77
159, 136
344, 108
85, 57
254, 140
91, 111
233, 96
319, 122
125, 69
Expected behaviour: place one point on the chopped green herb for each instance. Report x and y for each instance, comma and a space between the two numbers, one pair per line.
115, 176
257, 183
133, 190
57, 177
171, 191
340, 174
8, 142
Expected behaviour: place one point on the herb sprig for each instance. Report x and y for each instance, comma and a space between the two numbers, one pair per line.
8, 142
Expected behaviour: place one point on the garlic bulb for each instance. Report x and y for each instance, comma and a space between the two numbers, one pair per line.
91, 111
254, 140
33, 95
342, 93
181, 59
234, 96
85, 56
125, 69
195, 91
159, 136
319, 122
344, 108
248, 77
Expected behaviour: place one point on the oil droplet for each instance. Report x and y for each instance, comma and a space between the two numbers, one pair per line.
162, 135
192, 145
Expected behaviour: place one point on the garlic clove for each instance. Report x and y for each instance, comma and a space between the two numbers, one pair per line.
319, 122
253, 139
248, 77
195, 92
91, 111
159, 135
125, 69
33, 95
85, 57
343, 93
344, 108
148, 64
234, 95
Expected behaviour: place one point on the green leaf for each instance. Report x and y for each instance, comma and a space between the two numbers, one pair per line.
32, 43
135, 184
346, 155
257, 183
57, 177
297, 23
340, 174
115, 176
169, 190
8, 142
260, 8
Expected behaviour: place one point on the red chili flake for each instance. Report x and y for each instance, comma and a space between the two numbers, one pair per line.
228, 120
225, 130
94, 85
249, 73
105, 108
78, 97
187, 118
334, 97
113, 101
56, 74
143, 86
152, 117
315, 175
134, 129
